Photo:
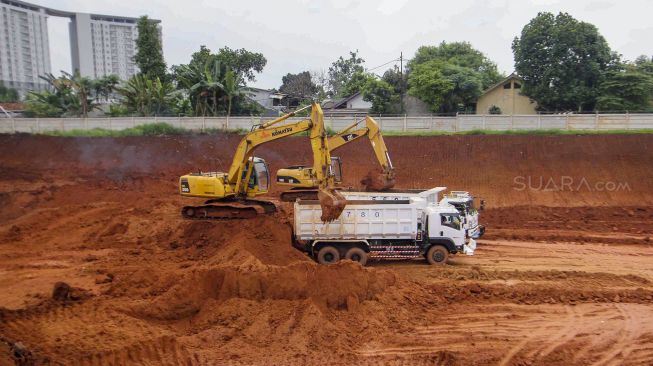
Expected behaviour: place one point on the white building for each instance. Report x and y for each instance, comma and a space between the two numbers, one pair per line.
99, 44
24, 46
103, 45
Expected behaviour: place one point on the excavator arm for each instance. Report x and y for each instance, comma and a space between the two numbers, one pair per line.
373, 132
303, 177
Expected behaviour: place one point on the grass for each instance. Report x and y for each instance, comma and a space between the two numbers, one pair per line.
153, 129
158, 129
546, 132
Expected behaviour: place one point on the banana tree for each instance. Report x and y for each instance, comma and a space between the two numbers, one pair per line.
233, 87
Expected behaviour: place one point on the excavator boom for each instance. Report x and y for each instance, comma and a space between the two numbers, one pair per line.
376, 180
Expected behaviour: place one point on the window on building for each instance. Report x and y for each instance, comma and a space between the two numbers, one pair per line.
506, 85
517, 85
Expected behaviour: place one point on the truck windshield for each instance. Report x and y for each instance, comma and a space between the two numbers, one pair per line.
450, 220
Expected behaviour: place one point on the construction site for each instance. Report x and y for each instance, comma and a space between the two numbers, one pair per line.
98, 267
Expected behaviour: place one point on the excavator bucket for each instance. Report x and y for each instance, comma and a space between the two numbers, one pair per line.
377, 180
332, 204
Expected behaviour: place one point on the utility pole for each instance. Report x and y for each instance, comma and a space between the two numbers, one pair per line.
401, 79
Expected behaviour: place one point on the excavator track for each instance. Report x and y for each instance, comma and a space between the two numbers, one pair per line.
228, 210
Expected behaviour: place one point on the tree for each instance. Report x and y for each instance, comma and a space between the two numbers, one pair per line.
449, 77
71, 95
149, 55
382, 95
242, 62
628, 89
342, 70
446, 87
104, 86
204, 84
562, 62
8, 94
355, 83
460, 54
396, 78
427, 83
321, 80
146, 96
203, 79
299, 85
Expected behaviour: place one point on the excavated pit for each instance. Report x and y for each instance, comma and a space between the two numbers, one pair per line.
563, 276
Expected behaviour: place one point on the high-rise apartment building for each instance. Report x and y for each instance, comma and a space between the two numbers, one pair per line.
104, 45
99, 44
24, 46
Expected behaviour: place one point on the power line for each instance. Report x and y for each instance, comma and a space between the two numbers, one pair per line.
389, 62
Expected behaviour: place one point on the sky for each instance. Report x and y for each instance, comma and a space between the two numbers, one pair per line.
300, 35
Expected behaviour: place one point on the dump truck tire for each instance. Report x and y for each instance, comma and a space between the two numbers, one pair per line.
437, 255
328, 255
357, 255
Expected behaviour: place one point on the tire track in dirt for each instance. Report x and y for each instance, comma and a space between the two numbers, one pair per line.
159, 351
623, 345
566, 334
67, 334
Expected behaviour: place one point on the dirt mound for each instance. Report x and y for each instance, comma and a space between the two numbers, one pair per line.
377, 181
341, 286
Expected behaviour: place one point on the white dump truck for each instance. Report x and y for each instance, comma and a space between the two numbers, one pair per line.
382, 229
461, 200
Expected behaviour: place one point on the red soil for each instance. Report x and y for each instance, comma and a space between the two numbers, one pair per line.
563, 277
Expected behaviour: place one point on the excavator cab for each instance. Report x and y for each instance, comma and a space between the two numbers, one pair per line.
259, 180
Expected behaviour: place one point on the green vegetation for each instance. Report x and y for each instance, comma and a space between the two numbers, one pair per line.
69, 95
215, 83
8, 94
519, 132
451, 76
567, 65
164, 129
342, 71
149, 55
153, 129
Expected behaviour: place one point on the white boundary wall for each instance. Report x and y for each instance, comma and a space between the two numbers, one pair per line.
401, 123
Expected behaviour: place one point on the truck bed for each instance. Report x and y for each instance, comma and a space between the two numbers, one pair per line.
361, 219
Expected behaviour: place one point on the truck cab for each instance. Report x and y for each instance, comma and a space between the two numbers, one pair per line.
464, 203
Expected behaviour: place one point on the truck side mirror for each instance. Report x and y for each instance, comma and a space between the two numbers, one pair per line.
482, 205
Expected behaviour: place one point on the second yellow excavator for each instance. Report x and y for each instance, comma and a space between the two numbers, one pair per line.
232, 194
301, 179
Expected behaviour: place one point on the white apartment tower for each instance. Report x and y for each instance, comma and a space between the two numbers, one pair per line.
24, 47
99, 44
104, 45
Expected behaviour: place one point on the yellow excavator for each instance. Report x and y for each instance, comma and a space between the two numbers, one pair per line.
301, 178
233, 194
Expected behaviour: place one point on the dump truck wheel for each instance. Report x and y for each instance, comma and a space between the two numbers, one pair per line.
357, 255
437, 255
328, 255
